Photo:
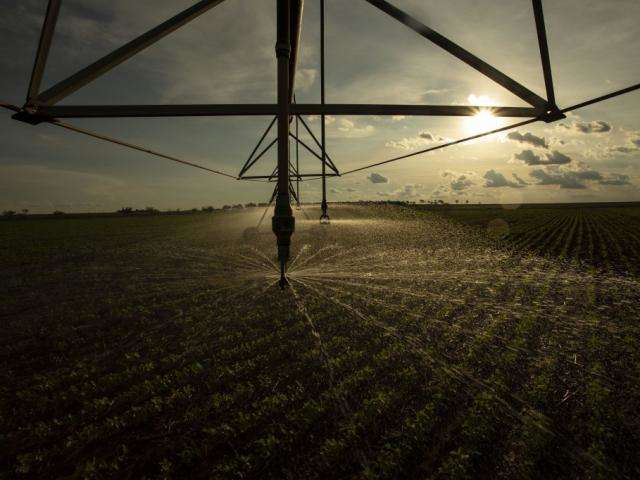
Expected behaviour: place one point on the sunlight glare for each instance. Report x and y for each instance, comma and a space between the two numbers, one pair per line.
484, 120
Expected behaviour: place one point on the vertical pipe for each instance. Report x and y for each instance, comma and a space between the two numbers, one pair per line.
283, 223
324, 217
297, 164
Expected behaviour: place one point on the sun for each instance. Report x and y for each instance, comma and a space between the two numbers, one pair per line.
482, 121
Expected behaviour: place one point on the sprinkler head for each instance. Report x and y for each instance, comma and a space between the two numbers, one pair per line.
283, 257
283, 224
324, 218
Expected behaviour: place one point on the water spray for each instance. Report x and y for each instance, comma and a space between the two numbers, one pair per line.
42, 105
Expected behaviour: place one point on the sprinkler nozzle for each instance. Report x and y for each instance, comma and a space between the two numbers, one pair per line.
283, 257
283, 224
324, 218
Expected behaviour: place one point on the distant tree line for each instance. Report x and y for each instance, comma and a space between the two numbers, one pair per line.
178, 211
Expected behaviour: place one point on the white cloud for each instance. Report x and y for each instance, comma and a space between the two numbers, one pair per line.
349, 129
413, 143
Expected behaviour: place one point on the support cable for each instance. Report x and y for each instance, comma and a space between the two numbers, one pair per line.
577, 106
99, 136
497, 130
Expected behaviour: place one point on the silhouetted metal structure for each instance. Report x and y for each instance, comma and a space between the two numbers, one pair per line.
42, 106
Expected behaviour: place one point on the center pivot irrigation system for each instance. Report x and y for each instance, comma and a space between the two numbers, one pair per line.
41, 106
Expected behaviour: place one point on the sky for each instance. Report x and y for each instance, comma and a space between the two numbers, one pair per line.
227, 56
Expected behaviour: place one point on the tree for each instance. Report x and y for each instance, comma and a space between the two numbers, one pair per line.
8, 213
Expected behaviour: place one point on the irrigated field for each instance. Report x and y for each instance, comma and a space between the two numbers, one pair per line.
606, 236
409, 345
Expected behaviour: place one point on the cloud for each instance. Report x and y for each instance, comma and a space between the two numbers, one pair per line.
519, 180
434, 92
497, 180
407, 192
423, 139
305, 78
547, 158
623, 149
328, 119
410, 190
459, 182
481, 100
350, 130
528, 138
578, 179
563, 179
632, 146
597, 126
377, 178
616, 179
557, 158
430, 137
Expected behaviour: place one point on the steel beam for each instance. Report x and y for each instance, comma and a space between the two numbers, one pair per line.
413, 110
293, 194
146, 111
46, 36
312, 152
544, 54
302, 175
258, 157
304, 124
253, 152
460, 53
115, 58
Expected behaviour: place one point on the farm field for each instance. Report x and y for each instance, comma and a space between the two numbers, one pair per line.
605, 236
411, 344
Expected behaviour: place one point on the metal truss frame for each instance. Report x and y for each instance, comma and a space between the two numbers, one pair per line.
42, 106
